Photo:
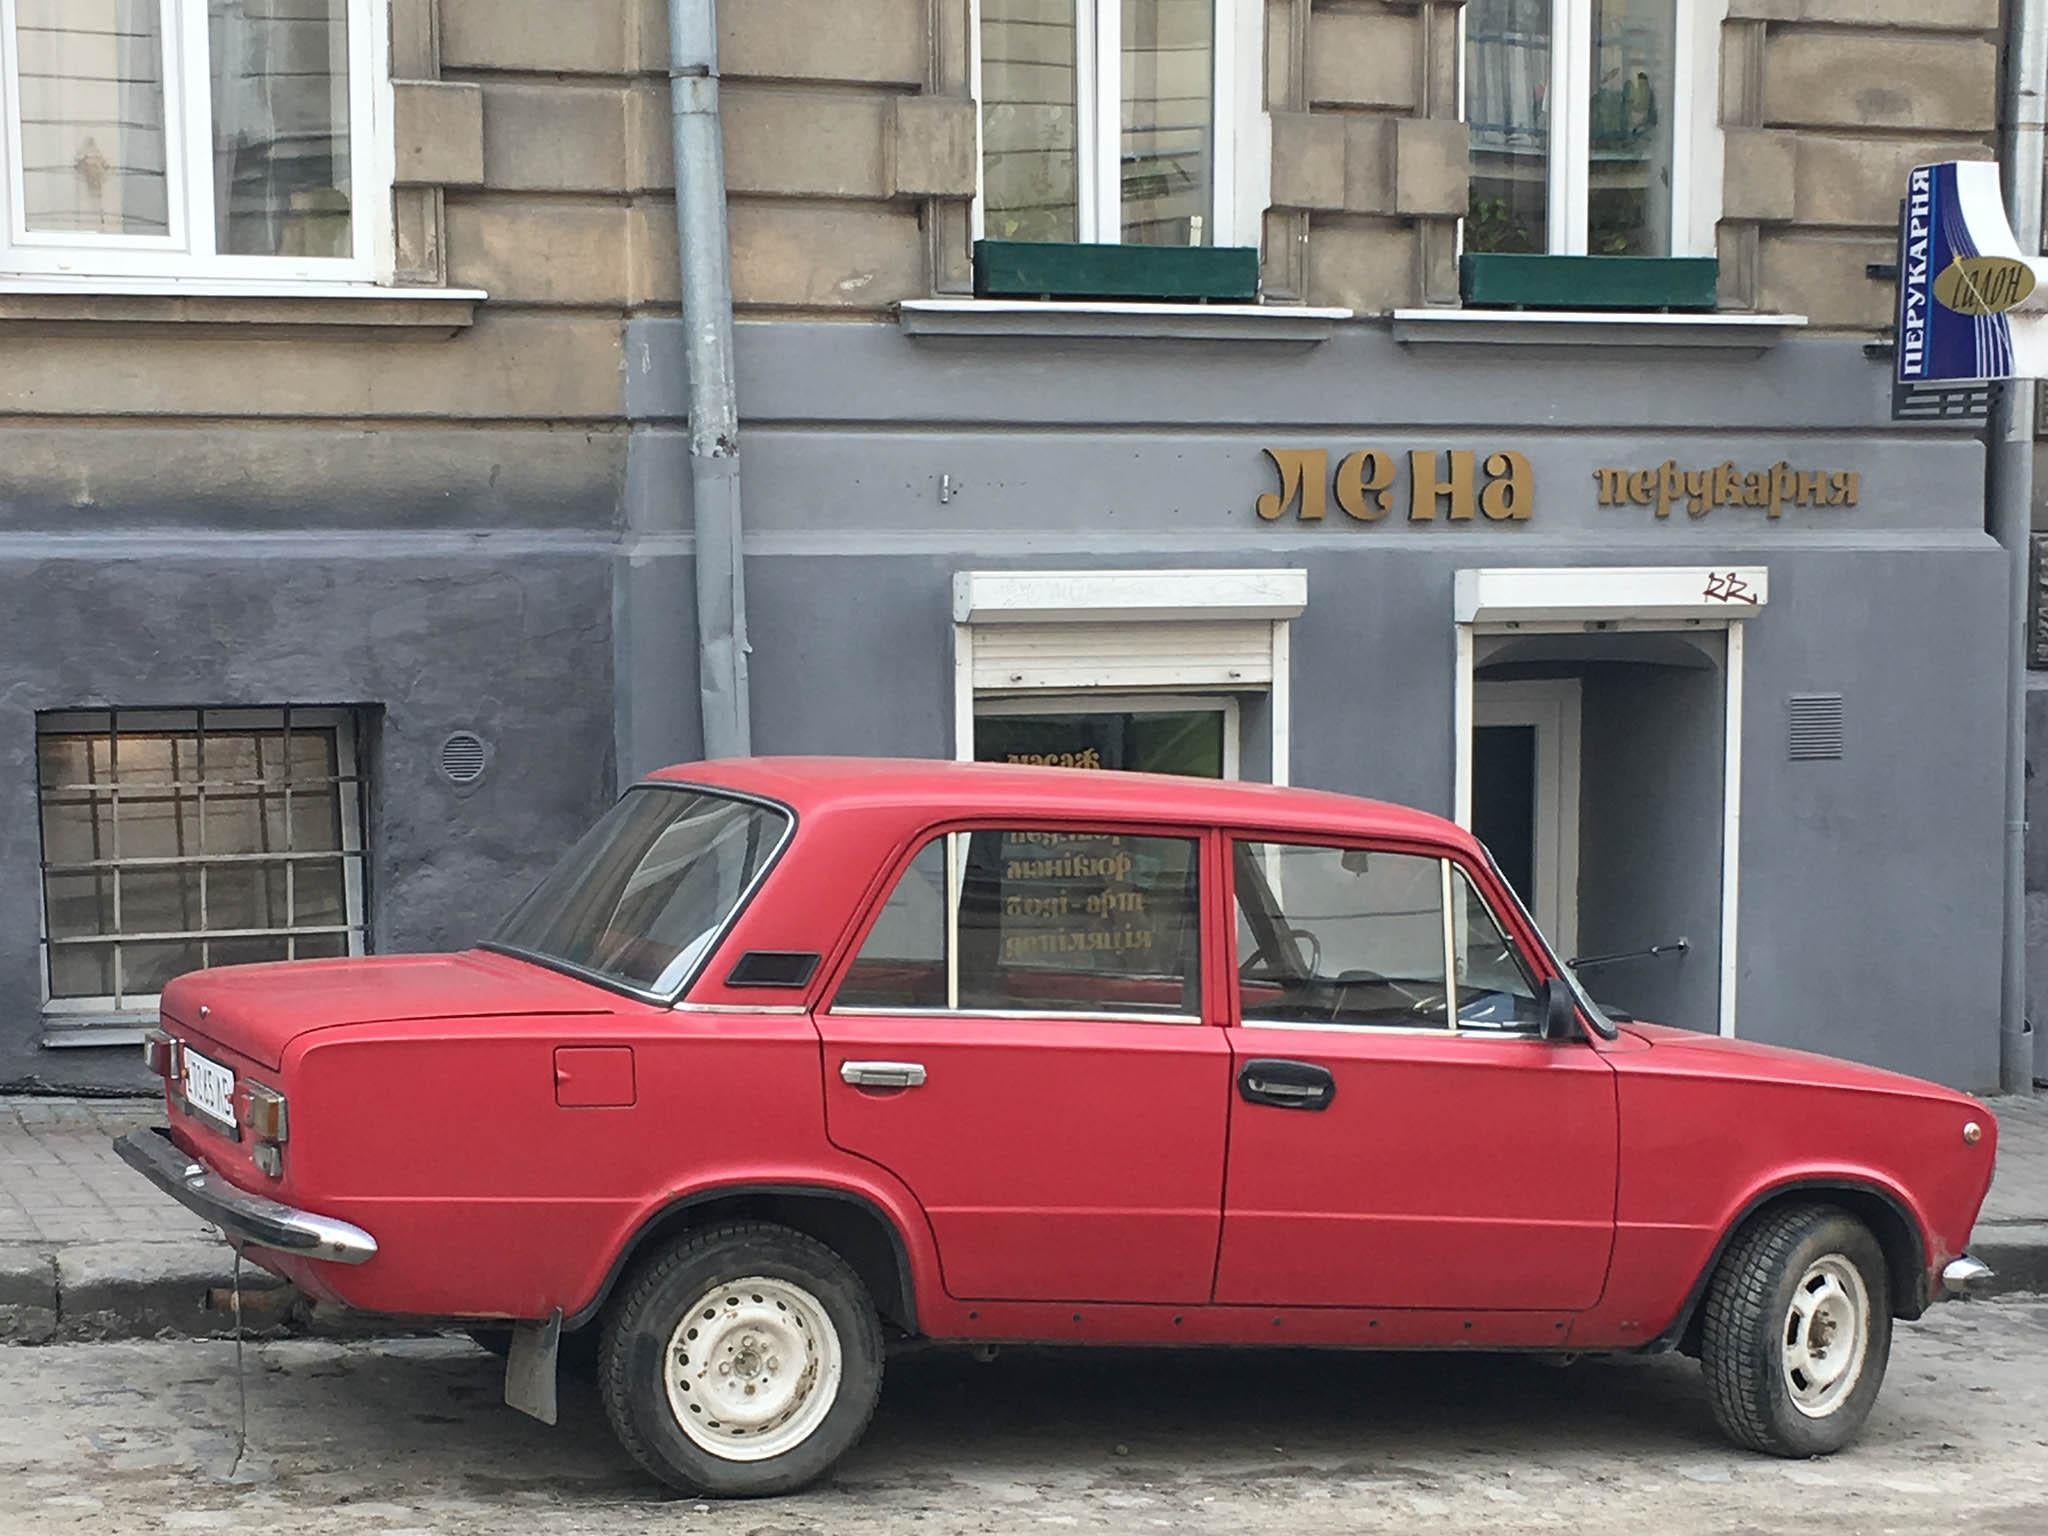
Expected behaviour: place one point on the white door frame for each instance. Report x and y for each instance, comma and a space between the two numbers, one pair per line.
1620, 599
1552, 707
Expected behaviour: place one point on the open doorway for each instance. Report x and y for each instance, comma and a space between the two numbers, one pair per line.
1596, 784
1599, 721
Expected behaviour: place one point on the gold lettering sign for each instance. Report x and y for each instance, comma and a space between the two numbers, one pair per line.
1984, 285
1701, 491
1455, 487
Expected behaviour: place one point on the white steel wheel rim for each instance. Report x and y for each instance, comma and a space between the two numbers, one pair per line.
753, 1368
1826, 1336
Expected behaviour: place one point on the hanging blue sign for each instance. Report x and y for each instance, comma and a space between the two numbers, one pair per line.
1971, 305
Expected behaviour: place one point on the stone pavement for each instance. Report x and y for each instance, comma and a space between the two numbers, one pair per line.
90, 1250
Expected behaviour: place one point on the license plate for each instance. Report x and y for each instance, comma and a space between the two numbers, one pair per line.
210, 1089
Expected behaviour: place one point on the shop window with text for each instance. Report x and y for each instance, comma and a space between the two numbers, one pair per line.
1590, 125
174, 840
191, 138
1114, 121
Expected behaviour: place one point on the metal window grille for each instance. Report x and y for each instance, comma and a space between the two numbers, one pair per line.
174, 840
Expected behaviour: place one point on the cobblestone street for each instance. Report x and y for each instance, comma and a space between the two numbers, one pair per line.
375, 1440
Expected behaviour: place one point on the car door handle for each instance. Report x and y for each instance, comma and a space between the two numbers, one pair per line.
882, 1074
1287, 1084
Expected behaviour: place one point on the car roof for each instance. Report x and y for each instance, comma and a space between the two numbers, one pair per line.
948, 789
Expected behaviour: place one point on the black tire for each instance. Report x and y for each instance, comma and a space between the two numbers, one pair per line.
1749, 1324
653, 1308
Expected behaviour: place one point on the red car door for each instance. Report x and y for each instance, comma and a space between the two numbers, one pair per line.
1023, 1041
1395, 1142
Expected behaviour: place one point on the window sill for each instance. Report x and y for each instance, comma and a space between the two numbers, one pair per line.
1283, 324
239, 308
1593, 328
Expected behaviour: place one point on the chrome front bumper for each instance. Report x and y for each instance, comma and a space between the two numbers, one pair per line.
250, 1218
1964, 1275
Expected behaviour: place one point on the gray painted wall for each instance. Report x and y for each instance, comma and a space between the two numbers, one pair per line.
1870, 918
391, 571
434, 577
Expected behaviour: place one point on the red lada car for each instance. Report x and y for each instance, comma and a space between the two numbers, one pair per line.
788, 1057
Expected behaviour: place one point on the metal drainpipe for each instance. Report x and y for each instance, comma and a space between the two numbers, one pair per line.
714, 397
2012, 516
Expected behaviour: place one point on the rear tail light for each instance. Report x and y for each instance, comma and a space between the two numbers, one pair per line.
267, 1123
162, 1053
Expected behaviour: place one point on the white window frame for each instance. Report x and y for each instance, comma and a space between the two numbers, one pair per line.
186, 251
986, 705
1128, 600
89, 1015
1697, 146
1242, 137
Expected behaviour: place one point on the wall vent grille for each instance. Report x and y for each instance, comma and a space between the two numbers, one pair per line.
1815, 727
464, 757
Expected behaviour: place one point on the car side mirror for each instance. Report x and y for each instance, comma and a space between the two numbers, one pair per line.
1560, 1011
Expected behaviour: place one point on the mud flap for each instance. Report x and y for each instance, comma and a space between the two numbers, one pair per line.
530, 1367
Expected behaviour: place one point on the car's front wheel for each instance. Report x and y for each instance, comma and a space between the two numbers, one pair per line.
744, 1360
1797, 1332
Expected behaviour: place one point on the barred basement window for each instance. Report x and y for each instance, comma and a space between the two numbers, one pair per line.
174, 840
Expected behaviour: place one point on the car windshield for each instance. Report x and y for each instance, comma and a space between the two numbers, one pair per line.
642, 898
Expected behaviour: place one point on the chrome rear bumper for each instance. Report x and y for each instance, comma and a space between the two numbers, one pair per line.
1964, 1275
250, 1218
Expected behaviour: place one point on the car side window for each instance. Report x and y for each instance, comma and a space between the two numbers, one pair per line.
1050, 920
1359, 937
1340, 936
1495, 987
902, 964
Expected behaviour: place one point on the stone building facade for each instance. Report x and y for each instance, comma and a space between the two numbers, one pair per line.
432, 511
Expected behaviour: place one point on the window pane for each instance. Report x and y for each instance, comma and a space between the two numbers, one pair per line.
1340, 936
1080, 922
92, 116
245, 896
1169, 165
1507, 110
1178, 741
1629, 200
319, 898
1029, 120
246, 951
281, 173
1494, 988
77, 830
79, 906
81, 970
165, 882
159, 900
646, 892
902, 963
148, 968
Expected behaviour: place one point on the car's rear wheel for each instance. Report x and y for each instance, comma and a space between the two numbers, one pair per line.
744, 1360
1797, 1332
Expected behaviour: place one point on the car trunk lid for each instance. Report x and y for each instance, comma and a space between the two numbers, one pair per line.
256, 1011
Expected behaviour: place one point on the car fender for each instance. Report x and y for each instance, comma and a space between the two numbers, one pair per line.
863, 1186
1819, 1180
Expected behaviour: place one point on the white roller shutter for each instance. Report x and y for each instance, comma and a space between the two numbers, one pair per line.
1232, 654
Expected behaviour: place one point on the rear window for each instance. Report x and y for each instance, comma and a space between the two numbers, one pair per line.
641, 900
